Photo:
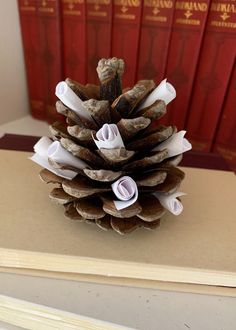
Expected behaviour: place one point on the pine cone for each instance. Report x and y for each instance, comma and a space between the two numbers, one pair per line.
89, 196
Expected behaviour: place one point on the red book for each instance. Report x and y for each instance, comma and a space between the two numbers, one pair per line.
51, 53
225, 142
215, 65
125, 36
154, 40
74, 39
188, 29
31, 45
99, 27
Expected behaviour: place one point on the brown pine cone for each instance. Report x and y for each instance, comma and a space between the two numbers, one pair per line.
89, 196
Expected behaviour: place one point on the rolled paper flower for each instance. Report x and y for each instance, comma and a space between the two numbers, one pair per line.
164, 91
71, 100
170, 202
41, 158
108, 137
176, 144
60, 155
126, 191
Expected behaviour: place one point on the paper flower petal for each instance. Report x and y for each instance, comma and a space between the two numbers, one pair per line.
60, 155
170, 202
41, 158
176, 144
108, 137
71, 100
126, 191
164, 91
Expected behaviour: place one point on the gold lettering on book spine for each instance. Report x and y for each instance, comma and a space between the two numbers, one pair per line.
227, 19
128, 3
192, 6
224, 7
99, 2
44, 7
158, 3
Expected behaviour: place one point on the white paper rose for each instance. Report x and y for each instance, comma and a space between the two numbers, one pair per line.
108, 137
170, 202
126, 191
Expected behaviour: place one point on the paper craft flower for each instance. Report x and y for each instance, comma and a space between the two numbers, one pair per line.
126, 191
113, 165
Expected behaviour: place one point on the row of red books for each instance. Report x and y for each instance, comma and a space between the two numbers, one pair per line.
192, 43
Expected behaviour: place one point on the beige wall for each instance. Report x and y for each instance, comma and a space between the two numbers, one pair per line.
13, 90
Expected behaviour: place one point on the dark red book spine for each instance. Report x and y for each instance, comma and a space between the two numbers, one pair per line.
185, 43
31, 45
74, 39
125, 36
99, 28
49, 17
214, 69
154, 39
225, 142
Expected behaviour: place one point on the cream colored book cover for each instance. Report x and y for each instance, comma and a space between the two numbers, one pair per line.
197, 247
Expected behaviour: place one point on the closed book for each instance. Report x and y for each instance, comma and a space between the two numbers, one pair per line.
213, 73
49, 18
36, 236
225, 142
99, 29
32, 51
186, 38
125, 36
74, 39
154, 39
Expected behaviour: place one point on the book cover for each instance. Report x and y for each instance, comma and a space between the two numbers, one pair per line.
213, 73
225, 142
125, 36
31, 46
156, 26
186, 38
49, 19
74, 39
99, 29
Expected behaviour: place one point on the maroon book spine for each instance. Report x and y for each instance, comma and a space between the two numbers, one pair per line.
31, 45
49, 17
99, 28
185, 43
74, 39
154, 39
125, 36
213, 74
225, 142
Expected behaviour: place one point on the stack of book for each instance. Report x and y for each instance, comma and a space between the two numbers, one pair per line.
192, 43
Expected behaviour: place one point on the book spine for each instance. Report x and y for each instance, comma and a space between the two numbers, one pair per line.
31, 46
186, 38
214, 69
74, 39
99, 29
51, 52
225, 142
156, 26
125, 36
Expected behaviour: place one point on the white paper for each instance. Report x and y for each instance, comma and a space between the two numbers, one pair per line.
60, 155
164, 91
176, 144
170, 202
71, 100
67, 174
108, 137
126, 191
41, 158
